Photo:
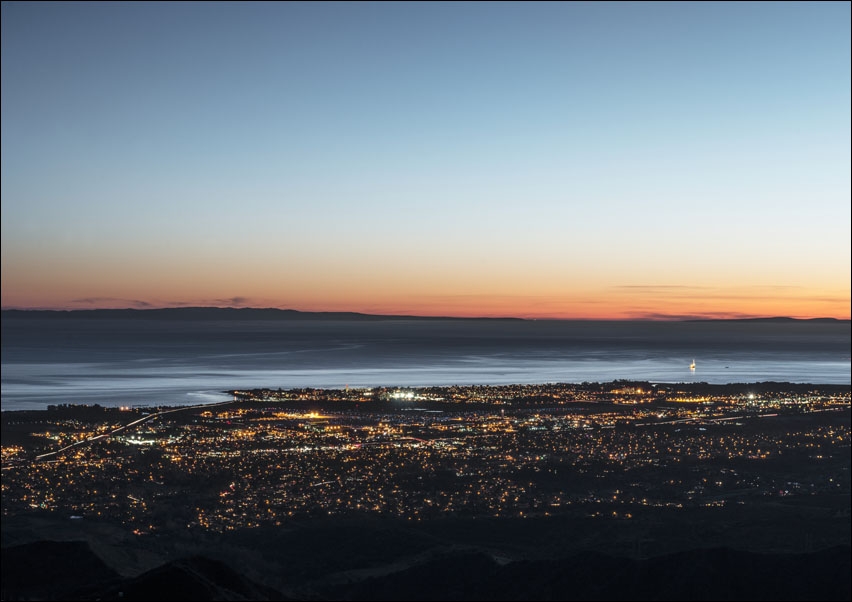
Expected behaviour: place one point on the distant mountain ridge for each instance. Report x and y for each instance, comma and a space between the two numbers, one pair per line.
776, 319
271, 314
210, 313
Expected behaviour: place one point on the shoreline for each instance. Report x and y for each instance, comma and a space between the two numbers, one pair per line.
501, 393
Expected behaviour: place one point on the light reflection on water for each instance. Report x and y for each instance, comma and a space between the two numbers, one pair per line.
35, 385
44, 365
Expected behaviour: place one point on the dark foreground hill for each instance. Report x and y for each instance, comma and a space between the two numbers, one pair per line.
70, 570
708, 574
194, 578
51, 570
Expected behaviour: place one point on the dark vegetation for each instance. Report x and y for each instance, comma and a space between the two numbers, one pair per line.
70, 570
795, 550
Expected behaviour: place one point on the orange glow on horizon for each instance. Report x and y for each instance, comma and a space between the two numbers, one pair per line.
495, 290
495, 307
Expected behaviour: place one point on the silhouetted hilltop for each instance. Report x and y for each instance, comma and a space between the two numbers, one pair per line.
194, 578
51, 570
69, 570
209, 313
704, 574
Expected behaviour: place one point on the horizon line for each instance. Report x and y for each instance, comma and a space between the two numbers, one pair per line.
644, 317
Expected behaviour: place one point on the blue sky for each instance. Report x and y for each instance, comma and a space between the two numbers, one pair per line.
532, 159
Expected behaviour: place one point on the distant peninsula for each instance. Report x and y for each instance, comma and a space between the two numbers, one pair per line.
773, 320
213, 314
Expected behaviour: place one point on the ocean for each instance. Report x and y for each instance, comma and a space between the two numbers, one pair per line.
154, 362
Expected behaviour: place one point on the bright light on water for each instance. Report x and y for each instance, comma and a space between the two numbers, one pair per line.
154, 366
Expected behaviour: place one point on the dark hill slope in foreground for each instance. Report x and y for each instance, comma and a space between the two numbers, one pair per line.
52, 571
194, 578
709, 574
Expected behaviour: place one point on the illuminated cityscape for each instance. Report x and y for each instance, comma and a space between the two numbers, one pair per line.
273, 456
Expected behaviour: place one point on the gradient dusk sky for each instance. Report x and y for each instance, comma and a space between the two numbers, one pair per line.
581, 160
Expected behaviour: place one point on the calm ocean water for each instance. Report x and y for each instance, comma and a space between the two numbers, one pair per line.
121, 362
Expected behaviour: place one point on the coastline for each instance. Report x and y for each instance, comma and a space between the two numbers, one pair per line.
616, 391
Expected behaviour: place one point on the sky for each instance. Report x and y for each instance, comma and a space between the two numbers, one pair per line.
578, 160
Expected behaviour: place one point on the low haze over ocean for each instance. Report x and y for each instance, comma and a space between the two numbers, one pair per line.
133, 361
